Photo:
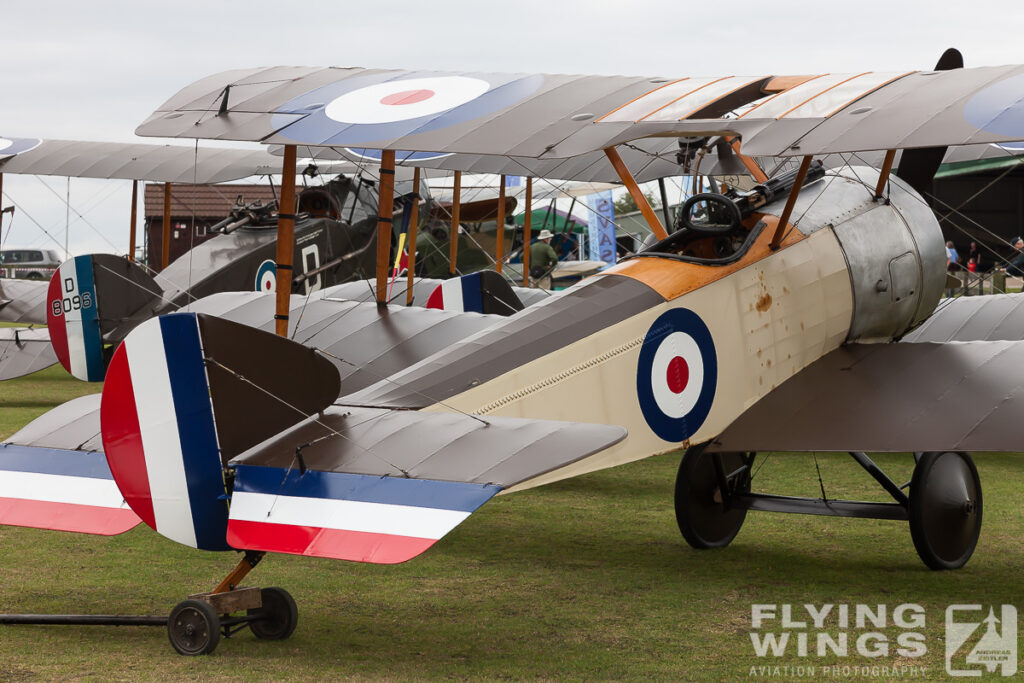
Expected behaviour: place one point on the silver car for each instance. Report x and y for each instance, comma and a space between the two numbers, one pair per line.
28, 264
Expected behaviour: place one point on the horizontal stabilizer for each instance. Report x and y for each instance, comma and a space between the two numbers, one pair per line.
24, 351
23, 301
63, 490
379, 485
958, 396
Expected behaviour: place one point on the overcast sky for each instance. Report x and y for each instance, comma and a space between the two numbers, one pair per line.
94, 70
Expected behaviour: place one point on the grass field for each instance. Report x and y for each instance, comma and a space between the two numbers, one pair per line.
586, 579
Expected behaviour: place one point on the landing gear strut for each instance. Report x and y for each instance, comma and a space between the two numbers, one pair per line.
943, 508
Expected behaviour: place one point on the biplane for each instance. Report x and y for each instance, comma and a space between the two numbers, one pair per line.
800, 315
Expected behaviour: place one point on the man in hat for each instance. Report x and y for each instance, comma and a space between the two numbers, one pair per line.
543, 259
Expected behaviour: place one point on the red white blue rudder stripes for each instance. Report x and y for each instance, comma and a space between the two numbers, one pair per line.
73, 319
159, 433
364, 518
458, 294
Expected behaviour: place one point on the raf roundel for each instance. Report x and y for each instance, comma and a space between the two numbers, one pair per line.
677, 374
266, 277
387, 105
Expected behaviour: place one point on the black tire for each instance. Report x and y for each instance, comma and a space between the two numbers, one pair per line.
700, 510
278, 616
193, 628
945, 509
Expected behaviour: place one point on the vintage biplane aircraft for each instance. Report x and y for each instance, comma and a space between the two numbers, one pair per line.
780, 318
23, 351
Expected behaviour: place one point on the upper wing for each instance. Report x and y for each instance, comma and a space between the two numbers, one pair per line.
137, 161
920, 396
548, 118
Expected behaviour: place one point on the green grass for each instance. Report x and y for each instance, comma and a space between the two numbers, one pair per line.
586, 579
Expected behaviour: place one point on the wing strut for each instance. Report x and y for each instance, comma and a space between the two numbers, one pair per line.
285, 240
385, 214
453, 232
798, 184
883, 176
414, 219
165, 238
634, 191
499, 246
131, 221
527, 224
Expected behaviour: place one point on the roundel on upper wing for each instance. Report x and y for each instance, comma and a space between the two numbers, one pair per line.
677, 374
266, 277
383, 106
12, 146
998, 108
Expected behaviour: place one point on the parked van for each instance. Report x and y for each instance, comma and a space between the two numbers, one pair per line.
28, 264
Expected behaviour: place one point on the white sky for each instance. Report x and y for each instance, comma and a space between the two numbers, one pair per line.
94, 70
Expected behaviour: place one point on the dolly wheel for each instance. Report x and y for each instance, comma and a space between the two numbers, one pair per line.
945, 509
277, 618
193, 628
701, 513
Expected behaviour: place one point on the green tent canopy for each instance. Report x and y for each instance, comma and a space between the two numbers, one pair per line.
555, 220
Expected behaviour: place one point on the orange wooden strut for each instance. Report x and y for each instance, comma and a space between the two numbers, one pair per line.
780, 229
285, 240
526, 232
634, 191
385, 214
165, 241
414, 219
453, 232
131, 223
883, 176
499, 247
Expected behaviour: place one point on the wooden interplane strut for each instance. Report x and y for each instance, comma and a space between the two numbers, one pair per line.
385, 216
414, 220
634, 191
499, 247
453, 233
526, 231
131, 222
165, 237
285, 240
780, 229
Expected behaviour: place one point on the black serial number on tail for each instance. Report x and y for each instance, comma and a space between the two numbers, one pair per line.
71, 303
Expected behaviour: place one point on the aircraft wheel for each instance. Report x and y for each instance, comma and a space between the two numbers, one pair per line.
945, 509
278, 615
193, 628
700, 511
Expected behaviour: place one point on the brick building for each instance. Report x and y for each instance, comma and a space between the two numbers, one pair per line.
198, 205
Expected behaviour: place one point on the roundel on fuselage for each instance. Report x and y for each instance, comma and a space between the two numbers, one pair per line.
677, 374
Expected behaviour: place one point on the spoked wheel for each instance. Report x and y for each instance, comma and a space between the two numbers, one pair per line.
193, 628
277, 617
705, 517
945, 509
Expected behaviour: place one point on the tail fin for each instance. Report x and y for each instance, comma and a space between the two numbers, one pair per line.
481, 292
187, 392
88, 297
